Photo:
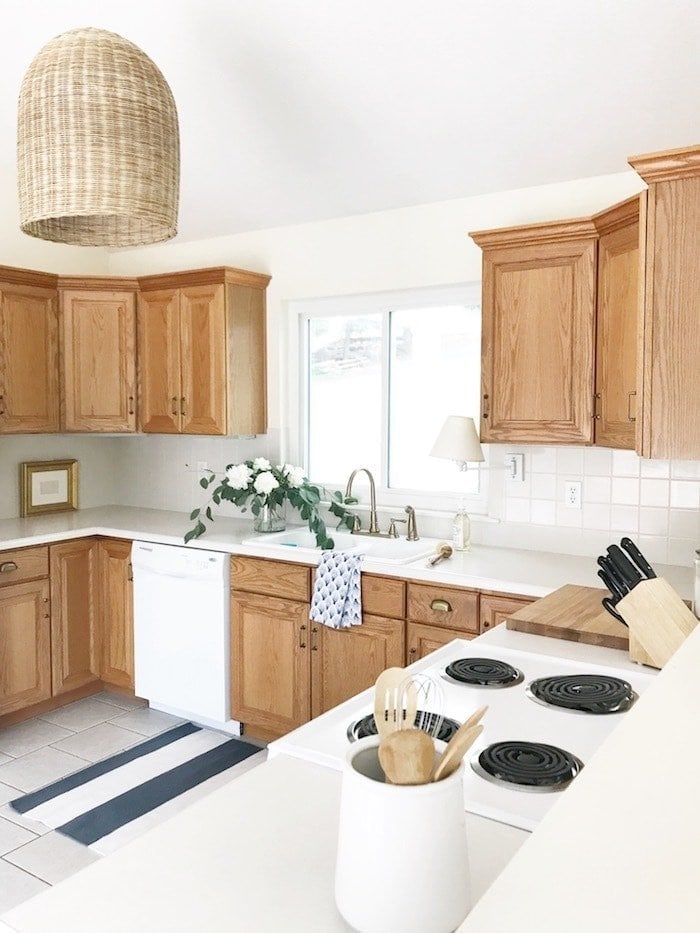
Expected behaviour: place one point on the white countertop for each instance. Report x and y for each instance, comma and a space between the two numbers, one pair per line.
503, 570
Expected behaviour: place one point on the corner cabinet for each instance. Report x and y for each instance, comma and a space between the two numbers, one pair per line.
29, 402
116, 612
75, 648
98, 350
538, 333
202, 352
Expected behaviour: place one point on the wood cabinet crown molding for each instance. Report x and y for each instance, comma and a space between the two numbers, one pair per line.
618, 216
215, 275
98, 283
667, 166
14, 276
556, 231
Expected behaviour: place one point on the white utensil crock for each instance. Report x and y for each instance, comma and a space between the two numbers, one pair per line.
402, 863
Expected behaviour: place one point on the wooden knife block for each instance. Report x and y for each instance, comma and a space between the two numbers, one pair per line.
658, 619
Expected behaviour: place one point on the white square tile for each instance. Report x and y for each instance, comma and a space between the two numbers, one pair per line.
684, 495
570, 460
597, 461
624, 518
657, 469
518, 510
27, 736
653, 521
684, 523
81, 715
654, 548
34, 826
151, 721
685, 469
543, 511
16, 886
654, 492
681, 551
543, 485
99, 741
4, 758
52, 857
569, 518
625, 463
13, 836
625, 491
7, 792
543, 459
38, 768
596, 489
596, 516
120, 701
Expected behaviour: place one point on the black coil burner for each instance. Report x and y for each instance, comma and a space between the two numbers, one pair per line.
484, 672
584, 693
426, 721
529, 766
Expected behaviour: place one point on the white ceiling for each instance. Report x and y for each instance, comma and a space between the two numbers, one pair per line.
300, 110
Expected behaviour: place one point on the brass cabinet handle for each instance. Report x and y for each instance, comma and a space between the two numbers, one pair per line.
173, 410
130, 573
486, 406
314, 641
8, 566
302, 637
630, 417
440, 605
182, 405
131, 404
596, 399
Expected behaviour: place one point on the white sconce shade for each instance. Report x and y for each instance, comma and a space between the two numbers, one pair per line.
458, 441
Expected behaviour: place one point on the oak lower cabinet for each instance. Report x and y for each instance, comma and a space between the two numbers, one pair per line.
25, 642
75, 648
495, 608
98, 344
437, 614
424, 639
116, 612
202, 352
29, 400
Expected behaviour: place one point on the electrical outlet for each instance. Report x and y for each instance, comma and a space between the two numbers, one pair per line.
572, 495
202, 466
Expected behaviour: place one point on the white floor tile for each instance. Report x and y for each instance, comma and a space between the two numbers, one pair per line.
5, 758
13, 836
97, 742
27, 736
38, 768
16, 886
52, 857
7, 793
147, 721
121, 702
7, 813
81, 715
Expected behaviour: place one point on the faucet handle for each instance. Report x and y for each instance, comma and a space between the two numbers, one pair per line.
356, 524
393, 522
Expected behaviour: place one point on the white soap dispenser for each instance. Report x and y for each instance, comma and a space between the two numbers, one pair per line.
461, 529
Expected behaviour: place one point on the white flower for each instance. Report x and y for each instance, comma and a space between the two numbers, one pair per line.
238, 475
261, 463
295, 477
265, 483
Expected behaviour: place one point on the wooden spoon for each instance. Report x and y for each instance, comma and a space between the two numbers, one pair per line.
456, 749
386, 695
407, 757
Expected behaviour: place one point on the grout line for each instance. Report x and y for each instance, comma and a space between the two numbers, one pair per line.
30, 873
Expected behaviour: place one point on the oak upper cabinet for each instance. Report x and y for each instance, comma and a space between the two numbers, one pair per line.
538, 333
617, 325
669, 374
98, 343
202, 352
116, 605
28, 352
25, 640
75, 648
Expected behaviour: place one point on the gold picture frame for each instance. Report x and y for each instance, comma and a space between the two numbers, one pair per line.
48, 486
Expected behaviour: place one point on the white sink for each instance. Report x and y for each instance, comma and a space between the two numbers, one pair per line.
388, 550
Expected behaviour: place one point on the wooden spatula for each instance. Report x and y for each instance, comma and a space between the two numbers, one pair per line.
457, 747
407, 757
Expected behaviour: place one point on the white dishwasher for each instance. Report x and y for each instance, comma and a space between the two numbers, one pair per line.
181, 632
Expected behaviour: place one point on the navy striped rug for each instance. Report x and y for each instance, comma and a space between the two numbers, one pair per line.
110, 802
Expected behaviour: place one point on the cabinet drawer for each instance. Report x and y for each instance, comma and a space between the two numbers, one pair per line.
444, 606
271, 578
30, 563
383, 596
494, 609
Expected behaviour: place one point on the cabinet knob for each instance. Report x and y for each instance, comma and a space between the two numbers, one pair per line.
8, 566
440, 605
412, 652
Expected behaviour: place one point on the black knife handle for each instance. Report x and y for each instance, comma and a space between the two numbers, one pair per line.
610, 606
624, 566
611, 585
613, 574
640, 560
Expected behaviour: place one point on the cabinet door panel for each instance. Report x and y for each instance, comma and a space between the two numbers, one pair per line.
75, 656
537, 343
347, 661
28, 360
159, 362
421, 640
116, 613
98, 332
204, 369
616, 341
270, 670
25, 658
495, 609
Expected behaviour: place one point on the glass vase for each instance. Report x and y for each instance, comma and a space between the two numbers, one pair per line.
271, 518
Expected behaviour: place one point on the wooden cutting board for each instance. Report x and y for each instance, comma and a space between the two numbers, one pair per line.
574, 613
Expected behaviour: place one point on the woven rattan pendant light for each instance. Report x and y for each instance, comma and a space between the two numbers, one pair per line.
98, 148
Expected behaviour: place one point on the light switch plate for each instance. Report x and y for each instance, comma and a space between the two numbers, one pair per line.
515, 467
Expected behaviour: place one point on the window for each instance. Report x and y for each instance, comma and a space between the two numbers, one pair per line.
379, 374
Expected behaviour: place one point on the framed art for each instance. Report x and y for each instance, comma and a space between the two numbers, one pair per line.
48, 486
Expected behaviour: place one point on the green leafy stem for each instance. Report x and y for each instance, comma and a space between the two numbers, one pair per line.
306, 499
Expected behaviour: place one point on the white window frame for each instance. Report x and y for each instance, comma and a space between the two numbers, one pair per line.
300, 312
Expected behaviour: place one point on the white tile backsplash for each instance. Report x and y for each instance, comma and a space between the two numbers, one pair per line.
654, 492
